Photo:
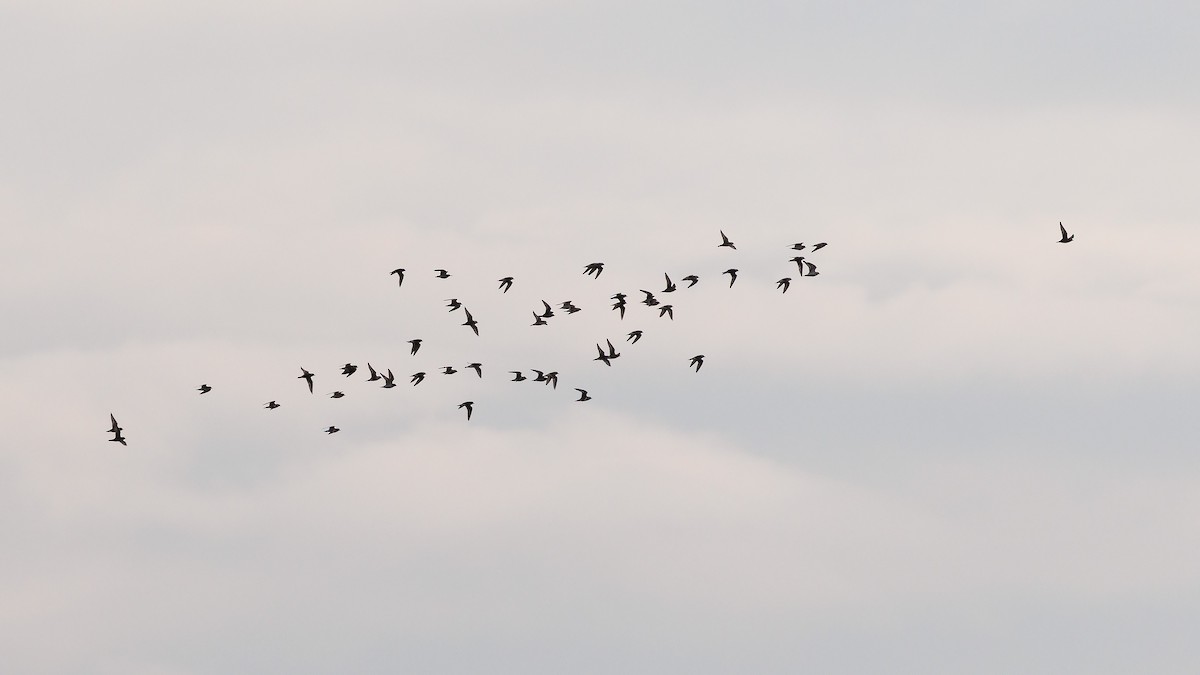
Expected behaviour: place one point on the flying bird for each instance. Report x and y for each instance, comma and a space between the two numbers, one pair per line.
583, 395
634, 336
517, 376
399, 272
389, 380
650, 300
619, 305
117, 437
732, 275
332, 430
541, 377
506, 283
669, 310
204, 389
374, 375
477, 367
271, 405
448, 370
612, 351
115, 428
453, 303
569, 307
416, 344
784, 283
471, 321
552, 378
799, 260
442, 274
725, 242
692, 280
594, 269
548, 313
1065, 237
417, 378
670, 284
603, 358
538, 321
336, 394
798, 247
467, 405
349, 369
307, 377
818, 247
812, 269
697, 360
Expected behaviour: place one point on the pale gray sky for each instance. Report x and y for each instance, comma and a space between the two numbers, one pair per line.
961, 448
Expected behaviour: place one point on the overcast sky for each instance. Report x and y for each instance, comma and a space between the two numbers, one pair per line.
962, 448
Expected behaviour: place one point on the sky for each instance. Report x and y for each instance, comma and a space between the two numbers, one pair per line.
963, 447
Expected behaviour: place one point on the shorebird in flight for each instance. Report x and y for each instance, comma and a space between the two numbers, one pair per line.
416, 344
538, 321
569, 307
448, 370
517, 376
204, 389
650, 300
583, 395
115, 428
784, 283
506, 283
799, 260
670, 284
349, 369
477, 367
442, 274
798, 247
467, 405
812, 269
307, 377
541, 377
603, 358
697, 360
732, 272
612, 351
271, 405
374, 375
552, 378
399, 272
619, 305
669, 310
692, 280
471, 321
1066, 239
548, 313
725, 242
818, 247
594, 269
453, 303
389, 380
634, 336
417, 378
332, 430
336, 394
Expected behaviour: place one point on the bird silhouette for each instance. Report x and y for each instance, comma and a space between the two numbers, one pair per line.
399, 272
650, 300
118, 438
468, 405
517, 376
583, 395
448, 370
271, 405
552, 378
417, 378
799, 260
670, 285
619, 305
634, 336
697, 360
307, 377
389, 380
442, 274
569, 307
349, 369
798, 247
541, 377
725, 242
669, 310
1065, 238
537, 320
453, 304
732, 275
548, 313
603, 358
818, 247
594, 269
115, 428
374, 375
612, 351
332, 430
471, 321
692, 280
204, 389
812, 269
477, 367
506, 283
784, 283
416, 344
336, 394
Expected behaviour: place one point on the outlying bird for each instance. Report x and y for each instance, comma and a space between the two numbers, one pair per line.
784, 283
336, 394
1065, 239
399, 272
332, 430
442, 274
307, 377
506, 283
583, 395
732, 272
697, 360
204, 389
468, 405
725, 242
271, 405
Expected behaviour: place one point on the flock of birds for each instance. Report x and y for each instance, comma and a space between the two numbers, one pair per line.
605, 354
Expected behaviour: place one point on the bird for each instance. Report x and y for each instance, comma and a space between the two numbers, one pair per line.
784, 283
117, 437
594, 269
349, 369
612, 351
538, 321
541, 377
471, 321
204, 389
812, 269
1066, 239
634, 336
448, 370
467, 405
442, 274
332, 430
399, 272
307, 377
619, 305
619, 297
416, 344
725, 242
552, 378
417, 378
818, 247
670, 284
669, 310
697, 360
336, 394
603, 358
650, 300
799, 260
548, 313
115, 428
583, 395
517, 376
453, 303
374, 375
692, 280
389, 380
506, 283
569, 307
732, 275
798, 247
271, 405
477, 367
